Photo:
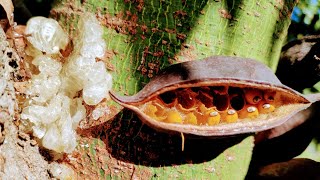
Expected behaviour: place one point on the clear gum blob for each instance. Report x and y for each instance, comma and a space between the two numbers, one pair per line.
91, 28
97, 73
61, 171
213, 113
266, 106
93, 49
46, 35
95, 93
52, 111
76, 70
77, 112
47, 65
44, 87
47, 83
35, 114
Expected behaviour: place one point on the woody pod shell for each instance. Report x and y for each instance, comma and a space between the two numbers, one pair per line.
215, 71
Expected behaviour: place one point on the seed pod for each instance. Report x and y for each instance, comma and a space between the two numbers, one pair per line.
216, 72
205, 98
186, 98
236, 98
168, 97
222, 102
253, 96
270, 96
221, 90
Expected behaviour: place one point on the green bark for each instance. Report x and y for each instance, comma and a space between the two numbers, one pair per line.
144, 37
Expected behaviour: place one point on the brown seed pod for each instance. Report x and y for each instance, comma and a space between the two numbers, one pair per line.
215, 72
253, 96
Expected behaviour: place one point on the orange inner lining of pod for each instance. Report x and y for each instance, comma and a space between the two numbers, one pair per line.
213, 105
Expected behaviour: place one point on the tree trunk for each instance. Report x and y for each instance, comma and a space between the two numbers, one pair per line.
144, 37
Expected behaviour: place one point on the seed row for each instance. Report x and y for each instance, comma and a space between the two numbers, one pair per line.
210, 105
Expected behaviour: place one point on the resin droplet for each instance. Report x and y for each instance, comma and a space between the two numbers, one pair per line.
82, 71
55, 105
46, 35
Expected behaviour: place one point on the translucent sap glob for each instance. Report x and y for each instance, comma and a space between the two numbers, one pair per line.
46, 35
53, 110
53, 115
82, 69
61, 171
46, 84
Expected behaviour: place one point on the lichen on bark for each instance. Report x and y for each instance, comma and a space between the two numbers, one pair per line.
19, 155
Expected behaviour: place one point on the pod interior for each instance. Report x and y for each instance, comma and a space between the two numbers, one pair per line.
218, 105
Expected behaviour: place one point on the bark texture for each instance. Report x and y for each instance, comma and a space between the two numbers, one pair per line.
145, 36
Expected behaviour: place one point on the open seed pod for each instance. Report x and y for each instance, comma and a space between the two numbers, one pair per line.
216, 96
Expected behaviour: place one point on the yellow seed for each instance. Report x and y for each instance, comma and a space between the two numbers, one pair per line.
201, 118
173, 117
265, 108
213, 118
231, 116
160, 109
203, 108
253, 96
209, 116
191, 119
252, 112
150, 110
155, 112
249, 111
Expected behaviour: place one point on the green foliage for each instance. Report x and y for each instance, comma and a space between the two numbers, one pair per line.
305, 19
312, 151
307, 11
